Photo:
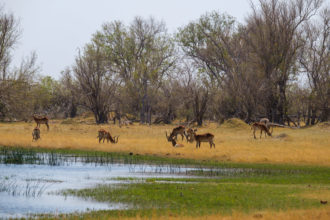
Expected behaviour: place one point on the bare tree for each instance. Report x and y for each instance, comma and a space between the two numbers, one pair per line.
315, 61
96, 84
17, 90
215, 44
9, 35
274, 34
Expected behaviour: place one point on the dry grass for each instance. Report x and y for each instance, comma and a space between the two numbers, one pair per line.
234, 142
321, 214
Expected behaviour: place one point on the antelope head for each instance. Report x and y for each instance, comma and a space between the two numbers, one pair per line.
169, 138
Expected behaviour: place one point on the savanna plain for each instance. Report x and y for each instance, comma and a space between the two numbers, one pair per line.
285, 176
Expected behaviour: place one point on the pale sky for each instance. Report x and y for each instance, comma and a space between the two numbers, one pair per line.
55, 29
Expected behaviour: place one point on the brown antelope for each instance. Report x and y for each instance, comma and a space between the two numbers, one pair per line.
189, 133
266, 122
105, 135
171, 139
41, 120
35, 134
207, 137
262, 127
174, 134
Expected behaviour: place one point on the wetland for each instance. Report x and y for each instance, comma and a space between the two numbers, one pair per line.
38, 182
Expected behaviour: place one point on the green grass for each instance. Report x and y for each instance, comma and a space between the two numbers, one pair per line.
196, 199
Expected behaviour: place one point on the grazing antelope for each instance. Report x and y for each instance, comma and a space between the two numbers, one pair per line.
268, 124
171, 139
262, 127
174, 134
207, 137
105, 135
35, 134
176, 144
41, 120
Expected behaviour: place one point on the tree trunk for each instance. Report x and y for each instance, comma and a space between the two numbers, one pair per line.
144, 103
271, 108
308, 116
73, 110
325, 113
142, 110
200, 107
101, 117
281, 104
149, 115
313, 116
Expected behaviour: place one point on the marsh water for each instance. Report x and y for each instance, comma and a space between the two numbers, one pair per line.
35, 188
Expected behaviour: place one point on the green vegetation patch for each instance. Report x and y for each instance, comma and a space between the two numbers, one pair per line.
199, 198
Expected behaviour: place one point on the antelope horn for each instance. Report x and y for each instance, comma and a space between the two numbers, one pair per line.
166, 135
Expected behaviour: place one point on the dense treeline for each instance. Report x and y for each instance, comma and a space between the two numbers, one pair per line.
275, 65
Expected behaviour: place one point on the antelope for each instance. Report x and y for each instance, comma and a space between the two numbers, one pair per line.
190, 134
171, 139
176, 144
35, 134
41, 120
268, 125
174, 134
105, 135
207, 137
126, 123
264, 120
263, 128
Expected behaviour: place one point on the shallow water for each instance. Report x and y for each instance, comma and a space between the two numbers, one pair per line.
32, 189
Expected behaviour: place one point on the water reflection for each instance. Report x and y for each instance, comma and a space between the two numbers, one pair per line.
30, 188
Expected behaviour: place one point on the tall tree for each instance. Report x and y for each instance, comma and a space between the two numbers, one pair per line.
315, 61
142, 54
96, 84
214, 43
9, 34
274, 34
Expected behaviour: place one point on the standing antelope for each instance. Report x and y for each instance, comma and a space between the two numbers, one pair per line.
190, 134
174, 134
262, 127
207, 137
35, 134
41, 120
105, 135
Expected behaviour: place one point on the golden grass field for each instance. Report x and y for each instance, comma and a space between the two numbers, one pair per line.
234, 141
320, 214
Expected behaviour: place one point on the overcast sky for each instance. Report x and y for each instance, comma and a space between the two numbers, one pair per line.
55, 29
